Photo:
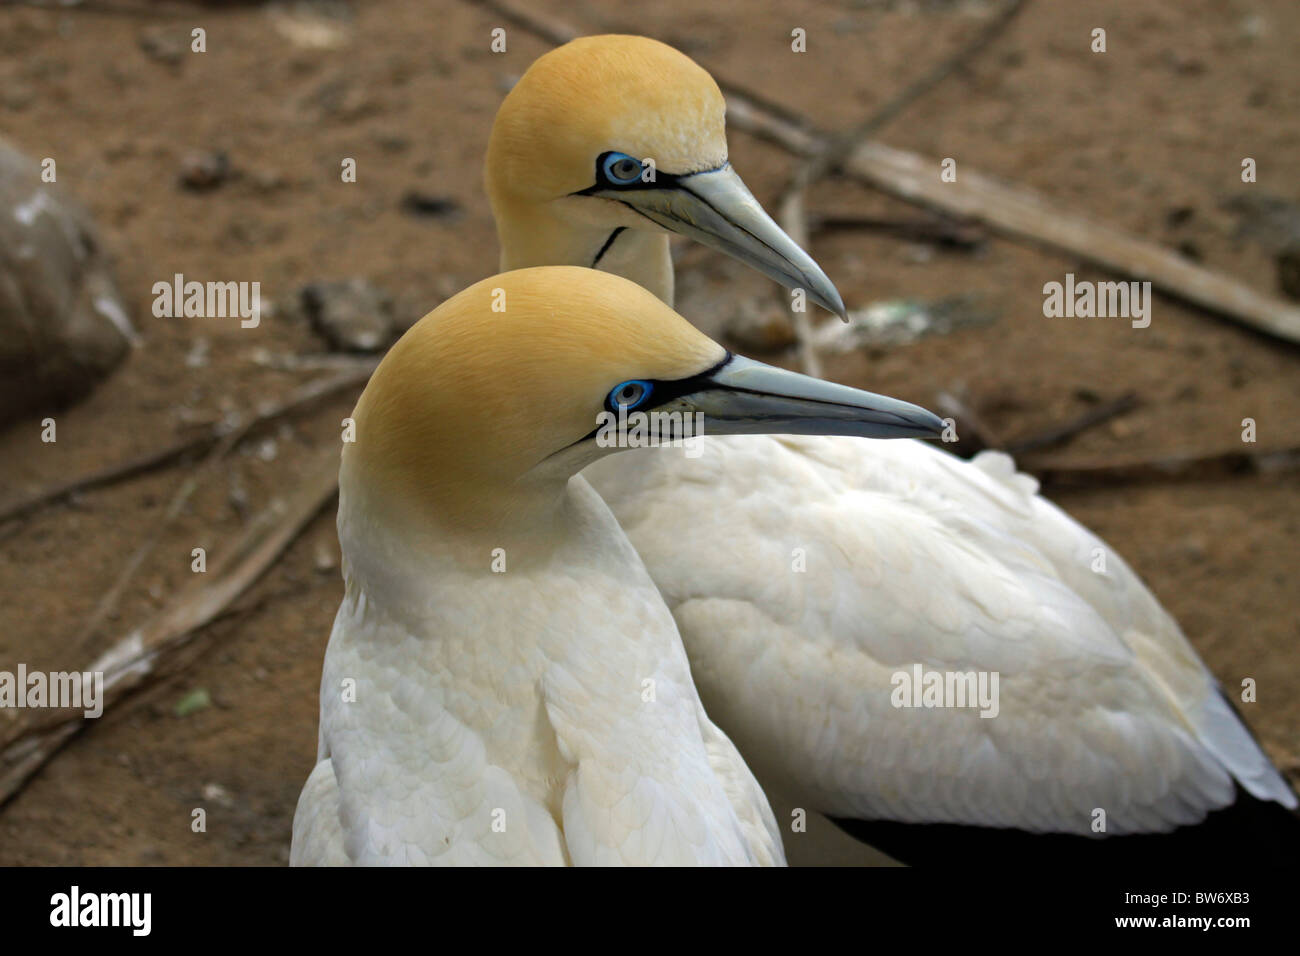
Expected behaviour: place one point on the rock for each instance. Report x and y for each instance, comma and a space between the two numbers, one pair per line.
318, 26
352, 315
201, 172
216, 793
1270, 220
435, 207
1195, 549
164, 45
197, 356
1179, 216
63, 324
325, 557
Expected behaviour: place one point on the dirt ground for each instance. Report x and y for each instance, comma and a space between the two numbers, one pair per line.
1148, 136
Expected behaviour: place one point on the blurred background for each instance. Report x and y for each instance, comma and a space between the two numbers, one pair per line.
225, 165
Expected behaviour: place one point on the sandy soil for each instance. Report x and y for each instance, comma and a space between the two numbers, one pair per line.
1158, 124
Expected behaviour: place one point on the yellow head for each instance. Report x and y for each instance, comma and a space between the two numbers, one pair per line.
486, 407
609, 142
506, 375
624, 94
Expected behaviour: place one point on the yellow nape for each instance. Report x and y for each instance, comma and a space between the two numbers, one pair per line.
628, 94
502, 376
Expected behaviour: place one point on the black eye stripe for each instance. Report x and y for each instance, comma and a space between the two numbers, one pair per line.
662, 392
662, 179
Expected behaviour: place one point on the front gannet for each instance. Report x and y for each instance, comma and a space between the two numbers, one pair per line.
504, 683
1107, 721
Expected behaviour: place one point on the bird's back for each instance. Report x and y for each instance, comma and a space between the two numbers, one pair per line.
806, 574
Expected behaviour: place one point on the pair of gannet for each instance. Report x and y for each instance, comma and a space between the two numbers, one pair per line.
504, 683
912, 558
604, 147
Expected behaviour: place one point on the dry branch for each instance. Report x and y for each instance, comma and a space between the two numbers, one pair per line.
138, 658
836, 149
939, 230
1059, 434
796, 227
1023, 214
297, 401
1179, 466
1015, 212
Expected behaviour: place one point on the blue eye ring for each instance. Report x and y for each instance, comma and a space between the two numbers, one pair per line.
624, 177
640, 391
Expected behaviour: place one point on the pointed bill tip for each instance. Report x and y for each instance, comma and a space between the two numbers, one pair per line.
748, 397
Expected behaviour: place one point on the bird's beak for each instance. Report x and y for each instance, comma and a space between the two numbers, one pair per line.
744, 397
717, 209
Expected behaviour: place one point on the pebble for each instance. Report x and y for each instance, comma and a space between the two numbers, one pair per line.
352, 315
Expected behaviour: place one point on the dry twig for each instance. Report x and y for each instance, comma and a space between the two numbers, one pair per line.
837, 148
299, 400
1060, 434
1179, 466
138, 658
1015, 212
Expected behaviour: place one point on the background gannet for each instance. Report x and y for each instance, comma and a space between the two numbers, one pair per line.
913, 556
504, 683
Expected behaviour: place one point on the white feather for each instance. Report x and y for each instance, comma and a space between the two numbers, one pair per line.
914, 556
502, 718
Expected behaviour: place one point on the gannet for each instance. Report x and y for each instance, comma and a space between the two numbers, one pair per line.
504, 683
1108, 723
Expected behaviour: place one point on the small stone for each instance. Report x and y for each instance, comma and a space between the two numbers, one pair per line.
268, 180
201, 172
352, 315
197, 356
1178, 216
164, 45
918, 253
1195, 549
435, 207
216, 793
326, 557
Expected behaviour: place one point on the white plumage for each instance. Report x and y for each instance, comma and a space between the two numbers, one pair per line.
481, 702
912, 555
537, 711
483, 697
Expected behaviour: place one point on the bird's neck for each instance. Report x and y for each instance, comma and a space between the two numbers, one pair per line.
397, 538
538, 235
411, 566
